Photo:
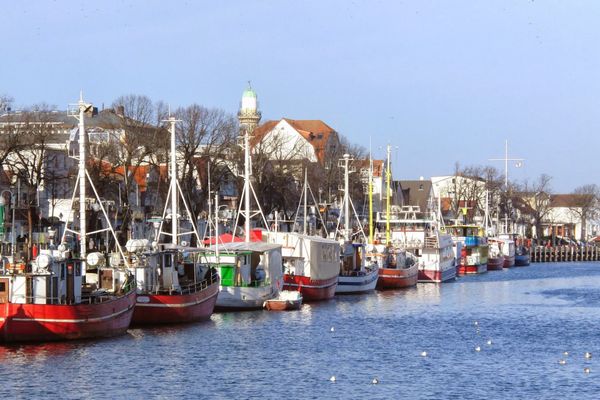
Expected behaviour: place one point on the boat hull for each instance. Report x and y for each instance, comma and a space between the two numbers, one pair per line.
396, 278
51, 322
509, 261
312, 290
471, 269
522, 260
357, 284
240, 298
437, 275
495, 263
283, 305
154, 309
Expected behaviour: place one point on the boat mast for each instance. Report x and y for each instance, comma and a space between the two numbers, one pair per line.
173, 172
388, 176
347, 230
370, 199
83, 107
305, 199
247, 172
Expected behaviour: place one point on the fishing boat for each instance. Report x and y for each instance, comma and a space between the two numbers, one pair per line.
311, 264
521, 256
286, 301
398, 268
507, 249
251, 271
174, 283
495, 257
358, 274
417, 234
66, 294
470, 248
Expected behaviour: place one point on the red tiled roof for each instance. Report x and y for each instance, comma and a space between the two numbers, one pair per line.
569, 200
314, 131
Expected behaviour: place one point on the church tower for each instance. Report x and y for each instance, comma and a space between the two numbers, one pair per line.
249, 116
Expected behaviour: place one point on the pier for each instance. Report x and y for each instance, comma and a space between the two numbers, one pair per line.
563, 253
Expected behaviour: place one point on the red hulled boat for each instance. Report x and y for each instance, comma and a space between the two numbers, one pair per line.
175, 283
57, 296
176, 299
398, 268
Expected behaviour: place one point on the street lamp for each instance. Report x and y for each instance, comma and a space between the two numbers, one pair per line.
12, 225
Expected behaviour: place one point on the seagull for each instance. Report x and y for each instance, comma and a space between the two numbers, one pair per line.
588, 355
332, 379
475, 323
477, 348
332, 329
586, 370
562, 362
566, 353
423, 354
489, 342
375, 381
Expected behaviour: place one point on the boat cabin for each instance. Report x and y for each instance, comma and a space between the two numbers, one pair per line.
247, 264
51, 279
352, 259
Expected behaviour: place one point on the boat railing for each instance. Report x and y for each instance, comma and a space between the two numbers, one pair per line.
199, 286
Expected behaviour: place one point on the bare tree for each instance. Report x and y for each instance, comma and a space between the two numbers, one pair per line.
135, 139
33, 160
586, 205
205, 134
536, 197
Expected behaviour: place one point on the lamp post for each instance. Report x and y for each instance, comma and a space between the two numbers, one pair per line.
12, 225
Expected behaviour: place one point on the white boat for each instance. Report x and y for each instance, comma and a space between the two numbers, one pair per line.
356, 276
311, 263
251, 274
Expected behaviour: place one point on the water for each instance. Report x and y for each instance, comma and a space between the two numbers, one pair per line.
531, 314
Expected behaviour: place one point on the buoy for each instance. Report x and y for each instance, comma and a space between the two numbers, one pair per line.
375, 381
332, 329
332, 379
562, 362
477, 348
586, 370
588, 355
423, 354
489, 342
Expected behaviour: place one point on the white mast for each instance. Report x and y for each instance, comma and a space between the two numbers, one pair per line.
173, 172
347, 230
305, 199
247, 172
506, 160
83, 107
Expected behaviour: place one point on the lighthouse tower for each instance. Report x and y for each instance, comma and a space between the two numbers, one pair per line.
249, 116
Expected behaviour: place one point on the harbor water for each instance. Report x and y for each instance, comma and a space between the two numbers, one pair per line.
522, 321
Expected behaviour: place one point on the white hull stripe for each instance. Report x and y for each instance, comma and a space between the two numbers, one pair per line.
174, 305
73, 321
398, 276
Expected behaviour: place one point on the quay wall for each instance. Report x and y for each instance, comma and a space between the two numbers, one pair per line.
564, 253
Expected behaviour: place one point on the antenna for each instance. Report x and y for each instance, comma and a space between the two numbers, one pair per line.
506, 159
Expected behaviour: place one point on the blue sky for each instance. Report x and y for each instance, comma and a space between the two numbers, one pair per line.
442, 81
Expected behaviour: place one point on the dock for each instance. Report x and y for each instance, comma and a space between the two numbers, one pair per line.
564, 253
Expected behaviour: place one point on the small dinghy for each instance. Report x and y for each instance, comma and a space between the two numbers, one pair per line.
287, 300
